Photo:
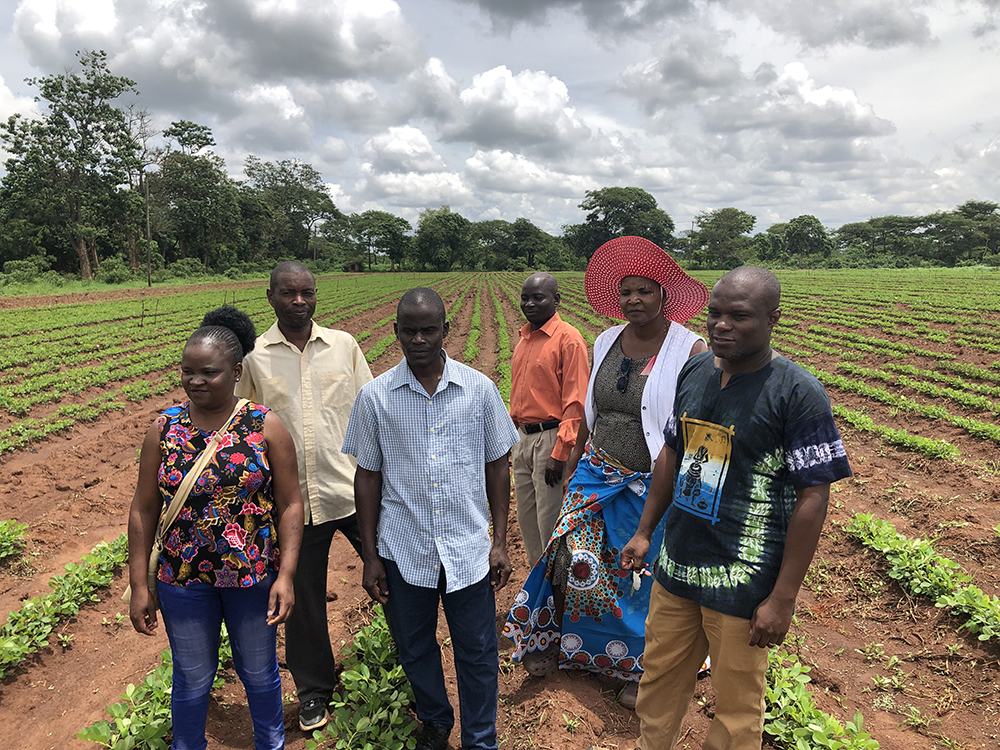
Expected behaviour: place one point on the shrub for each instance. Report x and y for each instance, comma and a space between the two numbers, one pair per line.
114, 270
185, 268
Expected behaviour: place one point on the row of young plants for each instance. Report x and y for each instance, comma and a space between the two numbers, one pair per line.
471, 349
505, 351
921, 570
975, 427
26, 431
28, 629
964, 398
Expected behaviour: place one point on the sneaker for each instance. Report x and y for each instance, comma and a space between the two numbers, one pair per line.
313, 714
433, 737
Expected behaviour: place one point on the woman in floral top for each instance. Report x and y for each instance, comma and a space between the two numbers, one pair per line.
221, 558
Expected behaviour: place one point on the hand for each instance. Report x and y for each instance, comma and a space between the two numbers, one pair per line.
281, 600
770, 622
499, 567
374, 581
554, 471
634, 552
142, 611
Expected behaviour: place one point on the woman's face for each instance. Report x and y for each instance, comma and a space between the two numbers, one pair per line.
208, 375
641, 299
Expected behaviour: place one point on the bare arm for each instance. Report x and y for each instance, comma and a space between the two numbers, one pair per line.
288, 504
498, 496
582, 435
143, 516
698, 347
773, 616
661, 493
368, 500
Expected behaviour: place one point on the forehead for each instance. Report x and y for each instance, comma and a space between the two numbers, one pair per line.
743, 295
637, 281
202, 350
419, 315
295, 280
535, 285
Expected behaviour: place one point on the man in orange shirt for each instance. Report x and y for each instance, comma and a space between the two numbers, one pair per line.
549, 375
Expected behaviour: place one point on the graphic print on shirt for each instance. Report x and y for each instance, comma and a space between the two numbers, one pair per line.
707, 452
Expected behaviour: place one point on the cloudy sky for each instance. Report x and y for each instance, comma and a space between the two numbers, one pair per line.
843, 109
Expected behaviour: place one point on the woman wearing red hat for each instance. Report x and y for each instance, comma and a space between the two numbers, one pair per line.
579, 609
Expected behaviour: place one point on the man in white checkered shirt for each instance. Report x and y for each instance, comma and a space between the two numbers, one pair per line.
432, 438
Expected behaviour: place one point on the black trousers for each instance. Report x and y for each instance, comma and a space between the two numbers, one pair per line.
308, 652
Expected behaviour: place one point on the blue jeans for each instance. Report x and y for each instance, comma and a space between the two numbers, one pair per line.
412, 614
193, 616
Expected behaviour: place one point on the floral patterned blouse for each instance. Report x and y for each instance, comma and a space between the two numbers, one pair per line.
225, 535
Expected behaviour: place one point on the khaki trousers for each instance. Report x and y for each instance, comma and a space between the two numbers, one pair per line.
537, 504
679, 633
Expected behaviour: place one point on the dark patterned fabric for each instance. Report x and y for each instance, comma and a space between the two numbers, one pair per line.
618, 428
742, 452
226, 534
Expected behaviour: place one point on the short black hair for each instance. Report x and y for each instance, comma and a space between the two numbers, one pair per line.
287, 266
230, 329
421, 296
770, 287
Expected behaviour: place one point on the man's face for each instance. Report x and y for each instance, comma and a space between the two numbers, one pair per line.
294, 300
420, 330
538, 300
739, 321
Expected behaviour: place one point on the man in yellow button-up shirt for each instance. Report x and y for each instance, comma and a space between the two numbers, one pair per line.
309, 375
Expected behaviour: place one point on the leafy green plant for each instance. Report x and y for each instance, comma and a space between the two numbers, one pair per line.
27, 629
370, 709
792, 719
11, 538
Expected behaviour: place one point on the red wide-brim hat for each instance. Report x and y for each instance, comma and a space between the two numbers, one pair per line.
637, 256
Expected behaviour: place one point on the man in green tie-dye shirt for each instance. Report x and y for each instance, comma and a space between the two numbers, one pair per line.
744, 478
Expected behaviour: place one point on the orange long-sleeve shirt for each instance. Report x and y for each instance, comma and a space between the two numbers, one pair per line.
549, 375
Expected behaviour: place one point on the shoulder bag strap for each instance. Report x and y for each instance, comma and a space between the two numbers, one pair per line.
187, 484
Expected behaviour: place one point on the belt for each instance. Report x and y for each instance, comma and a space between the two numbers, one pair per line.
531, 429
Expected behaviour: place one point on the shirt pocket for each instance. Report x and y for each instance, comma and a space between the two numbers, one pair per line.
338, 390
274, 393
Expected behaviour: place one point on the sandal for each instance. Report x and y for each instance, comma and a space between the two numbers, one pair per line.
628, 694
542, 663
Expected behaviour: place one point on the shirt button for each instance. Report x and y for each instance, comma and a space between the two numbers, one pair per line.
432, 429
644, 408
435, 484
439, 539
647, 434
433, 456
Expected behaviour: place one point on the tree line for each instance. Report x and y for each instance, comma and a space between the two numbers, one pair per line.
91, 190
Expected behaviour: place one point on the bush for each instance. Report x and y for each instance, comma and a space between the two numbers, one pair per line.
20, 271
114, 270
185, 268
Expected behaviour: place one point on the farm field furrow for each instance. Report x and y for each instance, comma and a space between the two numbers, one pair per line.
911, 360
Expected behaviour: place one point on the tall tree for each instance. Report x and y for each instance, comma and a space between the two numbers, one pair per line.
618, 211
70, 161
720, 240
444, 239
381, 232
298, 198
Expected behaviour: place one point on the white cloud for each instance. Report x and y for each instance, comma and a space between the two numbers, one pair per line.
529, 110
506, 172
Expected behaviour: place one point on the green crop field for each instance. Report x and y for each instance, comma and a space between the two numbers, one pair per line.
898, 624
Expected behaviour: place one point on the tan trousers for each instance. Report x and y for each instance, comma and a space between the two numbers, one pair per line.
679, 634
537, 504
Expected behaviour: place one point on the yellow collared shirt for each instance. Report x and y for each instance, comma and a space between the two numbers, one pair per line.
312, 391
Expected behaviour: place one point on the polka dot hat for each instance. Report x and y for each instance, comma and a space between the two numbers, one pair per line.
636, 256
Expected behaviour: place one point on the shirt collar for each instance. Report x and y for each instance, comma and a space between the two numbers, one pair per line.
403, 375
273, 335
548, 328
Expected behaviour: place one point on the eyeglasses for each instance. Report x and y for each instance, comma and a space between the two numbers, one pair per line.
622, 384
